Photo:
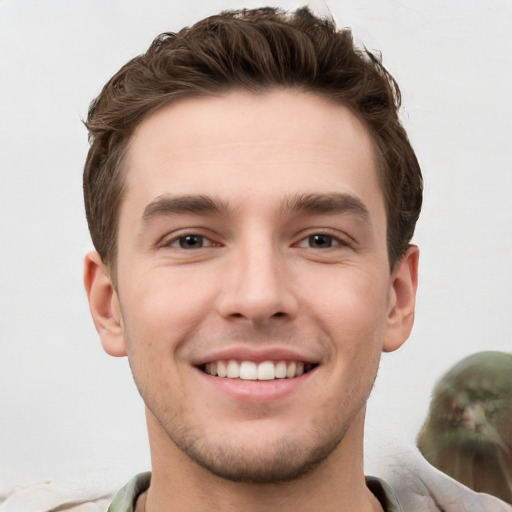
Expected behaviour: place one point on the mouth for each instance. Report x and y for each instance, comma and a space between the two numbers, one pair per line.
263, 371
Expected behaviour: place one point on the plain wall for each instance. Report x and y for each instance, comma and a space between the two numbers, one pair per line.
69, 409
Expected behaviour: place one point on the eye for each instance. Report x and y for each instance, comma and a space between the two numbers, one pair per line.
319, 241
191, 241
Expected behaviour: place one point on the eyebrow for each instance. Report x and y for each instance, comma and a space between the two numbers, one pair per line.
325, 204
168, 205
301, 203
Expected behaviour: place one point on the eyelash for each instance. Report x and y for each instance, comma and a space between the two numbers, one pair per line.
178, 241
332, 240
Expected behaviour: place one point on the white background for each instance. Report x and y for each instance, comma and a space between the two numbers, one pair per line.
67, 409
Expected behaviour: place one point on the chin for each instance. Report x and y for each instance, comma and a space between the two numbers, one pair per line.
281, 461
258, 454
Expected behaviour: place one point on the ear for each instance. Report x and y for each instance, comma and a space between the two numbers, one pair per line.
404, 283
104, 305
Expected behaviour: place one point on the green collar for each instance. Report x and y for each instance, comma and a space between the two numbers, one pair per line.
126, 498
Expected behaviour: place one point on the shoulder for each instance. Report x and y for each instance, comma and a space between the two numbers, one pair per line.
419, 487
72, 496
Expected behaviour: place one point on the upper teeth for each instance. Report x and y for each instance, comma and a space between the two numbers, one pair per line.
249, 370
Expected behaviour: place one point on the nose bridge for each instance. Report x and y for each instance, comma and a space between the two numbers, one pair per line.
257, 288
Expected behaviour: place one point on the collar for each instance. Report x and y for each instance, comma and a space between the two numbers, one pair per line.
126, 498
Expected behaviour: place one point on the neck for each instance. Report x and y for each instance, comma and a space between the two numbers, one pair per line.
338, 483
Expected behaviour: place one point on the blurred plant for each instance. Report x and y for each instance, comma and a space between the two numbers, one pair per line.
468, 431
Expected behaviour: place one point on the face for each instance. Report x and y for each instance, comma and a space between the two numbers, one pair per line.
253, 288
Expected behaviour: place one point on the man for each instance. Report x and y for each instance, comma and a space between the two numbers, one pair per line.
235, 450
252, 195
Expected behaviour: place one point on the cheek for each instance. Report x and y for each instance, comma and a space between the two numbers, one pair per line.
164, 309
351, 304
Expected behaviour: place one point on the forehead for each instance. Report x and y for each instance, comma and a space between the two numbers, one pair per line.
280, 142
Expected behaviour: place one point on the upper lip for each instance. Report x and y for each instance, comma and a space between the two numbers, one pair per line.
256, 355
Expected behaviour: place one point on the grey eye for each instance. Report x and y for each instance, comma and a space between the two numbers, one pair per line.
191, 242
320, 241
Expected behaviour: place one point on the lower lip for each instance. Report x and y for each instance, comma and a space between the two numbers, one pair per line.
257, 391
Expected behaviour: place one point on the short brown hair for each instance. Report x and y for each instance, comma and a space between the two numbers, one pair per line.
253, 50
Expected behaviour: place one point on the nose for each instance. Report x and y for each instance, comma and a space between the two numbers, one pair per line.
257, 287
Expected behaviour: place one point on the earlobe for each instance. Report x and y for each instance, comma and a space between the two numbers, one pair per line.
104, 305
404, 283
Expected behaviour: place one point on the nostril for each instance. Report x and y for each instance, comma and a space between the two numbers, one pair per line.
279, 314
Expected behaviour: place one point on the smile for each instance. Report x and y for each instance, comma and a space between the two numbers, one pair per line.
249, 370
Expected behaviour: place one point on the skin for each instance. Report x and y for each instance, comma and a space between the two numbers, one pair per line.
294, 265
